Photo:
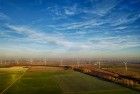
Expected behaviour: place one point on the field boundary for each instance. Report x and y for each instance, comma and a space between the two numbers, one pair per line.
78, 92
12, 83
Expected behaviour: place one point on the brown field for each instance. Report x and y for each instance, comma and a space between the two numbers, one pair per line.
45, 68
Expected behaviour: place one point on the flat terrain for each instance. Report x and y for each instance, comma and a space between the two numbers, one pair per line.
54, 80
9, 76
132, 69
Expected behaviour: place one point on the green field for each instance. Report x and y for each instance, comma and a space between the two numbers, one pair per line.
53, 80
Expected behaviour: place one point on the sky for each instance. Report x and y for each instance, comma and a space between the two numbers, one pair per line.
70, 28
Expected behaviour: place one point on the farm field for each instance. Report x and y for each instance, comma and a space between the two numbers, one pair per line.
54, 80
9, 76
132, 69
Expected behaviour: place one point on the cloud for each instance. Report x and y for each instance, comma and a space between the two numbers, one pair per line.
4, 17
125, 20
38, 36
47, 38
81, 32
55, 12
69, 12
92, 44
72, 10
80, 25
102, 7
61, 12
121, 28
117, 42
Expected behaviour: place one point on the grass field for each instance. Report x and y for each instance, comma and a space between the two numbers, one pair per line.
54, 80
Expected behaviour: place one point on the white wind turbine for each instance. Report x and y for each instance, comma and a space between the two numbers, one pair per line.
61, 62
125, 64
89, 61
17, 62
31, 61
45, 62
1, 61
5, 61
99, 64
77, 63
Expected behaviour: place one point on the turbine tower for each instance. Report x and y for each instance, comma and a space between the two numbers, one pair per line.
5, 61
17, 62
1, 61
31, 61
77, 63
125, 64
89, 62
45, 62
61, 62
99, 63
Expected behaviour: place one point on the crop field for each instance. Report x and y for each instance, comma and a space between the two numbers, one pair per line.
132, 69
54, 80
9, 75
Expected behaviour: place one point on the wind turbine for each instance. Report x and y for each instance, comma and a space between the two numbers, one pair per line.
125, 64
89, 61
31, 61
61, 62
5, 62
45, 62
77, 63
17, 62
99, 63
1, 61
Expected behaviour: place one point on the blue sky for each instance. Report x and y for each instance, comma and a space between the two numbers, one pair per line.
73, 28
